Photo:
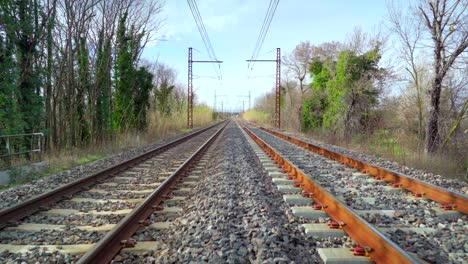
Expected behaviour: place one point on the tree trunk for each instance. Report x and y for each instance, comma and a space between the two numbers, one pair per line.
432, 138
457, 122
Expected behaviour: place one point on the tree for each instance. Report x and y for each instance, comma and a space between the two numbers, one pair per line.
343, 92
143, 86
163, 97
102, 119
124, 74
10, 118
445, 21
83, 88
24, 23
298, 62
313, 109
48, 76
409, 31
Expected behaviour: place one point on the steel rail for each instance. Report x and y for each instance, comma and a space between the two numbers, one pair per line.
9, 215
383, 250
424, 189
105, 250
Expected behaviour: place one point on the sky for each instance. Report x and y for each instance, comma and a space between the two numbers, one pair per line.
233, 27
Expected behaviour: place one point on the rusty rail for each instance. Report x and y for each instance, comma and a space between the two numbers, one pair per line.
383, 250
9, 215
425, 189
105, 250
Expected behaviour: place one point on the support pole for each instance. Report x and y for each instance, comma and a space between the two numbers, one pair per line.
190, 86
190, 91
278, 89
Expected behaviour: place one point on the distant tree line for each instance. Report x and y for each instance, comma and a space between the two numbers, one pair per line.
73, 69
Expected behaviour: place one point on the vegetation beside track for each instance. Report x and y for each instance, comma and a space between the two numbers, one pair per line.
159, 128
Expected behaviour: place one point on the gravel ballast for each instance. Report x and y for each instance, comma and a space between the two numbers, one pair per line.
233, 215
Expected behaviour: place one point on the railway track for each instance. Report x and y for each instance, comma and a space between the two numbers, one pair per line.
391, 217
235, 193
98, 214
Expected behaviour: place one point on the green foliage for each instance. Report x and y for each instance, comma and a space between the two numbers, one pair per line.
84, 87
349, 93
143, 86
312, 112
163, 97
10, 118
132, 86
383, 142
124, 74
103, 86
315, 67
20, 21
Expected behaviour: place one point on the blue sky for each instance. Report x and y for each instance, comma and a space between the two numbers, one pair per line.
233, 27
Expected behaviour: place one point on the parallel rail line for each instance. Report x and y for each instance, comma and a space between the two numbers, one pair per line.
428, 190
105, 250
118, 237
382, 249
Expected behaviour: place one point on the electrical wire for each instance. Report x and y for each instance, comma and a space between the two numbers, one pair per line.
204, 35
263, 32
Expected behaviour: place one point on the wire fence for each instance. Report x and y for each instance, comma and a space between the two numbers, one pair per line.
20, 149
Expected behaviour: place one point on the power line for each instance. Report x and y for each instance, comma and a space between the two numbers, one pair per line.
263, 32
204, 35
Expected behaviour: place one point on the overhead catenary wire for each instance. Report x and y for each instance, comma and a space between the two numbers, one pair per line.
263, 32
204, 35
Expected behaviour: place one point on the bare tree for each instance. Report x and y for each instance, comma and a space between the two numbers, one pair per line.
409, 31
446, 21
298, 63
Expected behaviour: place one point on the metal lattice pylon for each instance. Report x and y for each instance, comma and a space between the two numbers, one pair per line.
278, 89
190, 91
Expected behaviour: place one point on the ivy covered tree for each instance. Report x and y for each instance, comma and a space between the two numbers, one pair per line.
71, 68
103, 83
83, 88
343, 92
132, 86
22, 22
143, 86
10, 116
163, 97
123, 78
314, 108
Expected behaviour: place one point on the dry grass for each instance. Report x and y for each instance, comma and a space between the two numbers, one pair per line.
405, 150
257, 117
